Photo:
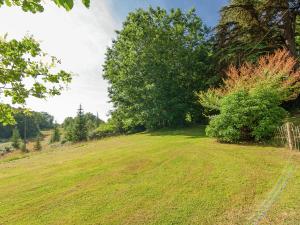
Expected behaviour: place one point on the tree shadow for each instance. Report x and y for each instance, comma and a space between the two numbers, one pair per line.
190, 132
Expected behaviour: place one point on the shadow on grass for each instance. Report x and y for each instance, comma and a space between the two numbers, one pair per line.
191, 132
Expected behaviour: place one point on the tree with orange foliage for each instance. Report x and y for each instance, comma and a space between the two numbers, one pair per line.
248, 104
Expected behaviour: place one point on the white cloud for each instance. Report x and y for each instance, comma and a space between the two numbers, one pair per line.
79, 38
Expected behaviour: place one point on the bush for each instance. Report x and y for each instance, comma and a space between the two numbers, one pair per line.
37, 146
247, 116
7, 149
55, 137
15, 139
104, 130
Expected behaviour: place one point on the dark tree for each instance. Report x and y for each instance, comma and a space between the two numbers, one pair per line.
249, 29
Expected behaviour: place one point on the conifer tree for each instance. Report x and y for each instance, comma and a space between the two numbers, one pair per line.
15, 139
38, 146
78, 131
55, 137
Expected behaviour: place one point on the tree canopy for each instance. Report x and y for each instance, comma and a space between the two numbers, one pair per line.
249, 29
155, 65
35, 6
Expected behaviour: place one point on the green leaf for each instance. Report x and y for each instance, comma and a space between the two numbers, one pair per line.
86, 3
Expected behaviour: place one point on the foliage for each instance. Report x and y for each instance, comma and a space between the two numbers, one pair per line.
247, 116
15, 139
26, 71
38, 5
77, 131
249, 29
55, 137
24, 147
275, 71
155, 65
37, 146
249, 100
92, 123
35, 121
44, 120
104, 130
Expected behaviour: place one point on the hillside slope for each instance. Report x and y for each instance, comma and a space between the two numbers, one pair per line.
167, 177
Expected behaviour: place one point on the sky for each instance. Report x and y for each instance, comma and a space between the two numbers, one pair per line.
79, 38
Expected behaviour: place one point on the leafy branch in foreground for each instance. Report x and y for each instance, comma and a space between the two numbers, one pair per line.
26, 71
35, 6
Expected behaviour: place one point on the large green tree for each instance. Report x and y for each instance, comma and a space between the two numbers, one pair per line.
25, 71
38, 5
155, 65
251, 28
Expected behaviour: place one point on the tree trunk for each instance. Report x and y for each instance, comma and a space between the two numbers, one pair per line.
289, 21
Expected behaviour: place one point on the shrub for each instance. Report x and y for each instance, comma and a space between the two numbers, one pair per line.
15, 139
37, 146
247, 116
104, 130
24, 147
7, 149
55, 137
248, 103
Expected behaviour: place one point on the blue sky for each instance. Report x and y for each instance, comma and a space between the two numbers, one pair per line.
208, 10
80, 39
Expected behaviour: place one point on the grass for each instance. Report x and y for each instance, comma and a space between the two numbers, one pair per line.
166, 177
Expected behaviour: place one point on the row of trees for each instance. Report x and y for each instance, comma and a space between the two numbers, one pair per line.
30, 122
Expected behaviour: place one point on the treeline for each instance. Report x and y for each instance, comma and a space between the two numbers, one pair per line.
160, 61
30, 122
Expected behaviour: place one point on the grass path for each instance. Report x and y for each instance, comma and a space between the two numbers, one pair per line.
167, 177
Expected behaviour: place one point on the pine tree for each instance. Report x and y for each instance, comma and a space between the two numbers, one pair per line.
15, 139
24, 147
78, 132
55, 137
38, 146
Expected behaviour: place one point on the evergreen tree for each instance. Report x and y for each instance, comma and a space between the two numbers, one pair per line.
248, 29
24, 147
38, 146
55, 137
15, 139
78, 131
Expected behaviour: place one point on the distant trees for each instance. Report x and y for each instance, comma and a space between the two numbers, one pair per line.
35, 122
155, 65
77, 129
248, 104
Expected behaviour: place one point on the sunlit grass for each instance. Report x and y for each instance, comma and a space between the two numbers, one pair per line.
166, 177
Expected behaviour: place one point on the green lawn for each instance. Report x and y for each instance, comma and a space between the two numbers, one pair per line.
166, 177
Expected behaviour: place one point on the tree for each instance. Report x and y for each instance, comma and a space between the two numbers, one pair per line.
249, 29
37, 146
24, 60
16, 138
55, 137
249, 103
155, 65
38, 5
77, 131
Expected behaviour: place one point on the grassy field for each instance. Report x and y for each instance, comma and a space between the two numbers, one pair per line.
166, 177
